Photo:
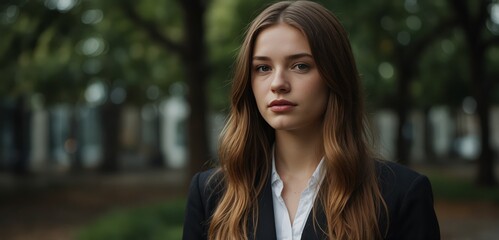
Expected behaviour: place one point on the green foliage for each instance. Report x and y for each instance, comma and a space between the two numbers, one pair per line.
53, 52
162, 221
459, 189
226, 24
437, 85
390, 32
385, 32
58, 53
38, 51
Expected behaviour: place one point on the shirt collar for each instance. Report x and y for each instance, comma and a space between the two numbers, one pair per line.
275, 175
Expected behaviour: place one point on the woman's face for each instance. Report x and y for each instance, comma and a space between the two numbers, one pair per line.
288, 89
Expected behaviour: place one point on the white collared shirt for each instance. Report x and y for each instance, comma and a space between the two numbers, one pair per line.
284, 229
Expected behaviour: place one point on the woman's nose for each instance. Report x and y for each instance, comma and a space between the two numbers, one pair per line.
280, 83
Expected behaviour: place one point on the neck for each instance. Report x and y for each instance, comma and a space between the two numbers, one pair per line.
298, 153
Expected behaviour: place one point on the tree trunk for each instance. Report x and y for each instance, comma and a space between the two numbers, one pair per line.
481, 91
110, 116
75, 144
193, 55
403, 105
428, 137
21, 119
156, 159
473, 27
196, 75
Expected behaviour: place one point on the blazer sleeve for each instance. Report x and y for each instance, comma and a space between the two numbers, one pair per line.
416, 218
195, 216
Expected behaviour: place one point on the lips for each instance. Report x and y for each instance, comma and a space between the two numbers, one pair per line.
281, 105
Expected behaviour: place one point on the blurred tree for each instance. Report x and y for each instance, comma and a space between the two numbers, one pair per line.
406, 33
26, 65
192, 52
61, 49
473, 17
437, 86
389, 38
55, 50
226, 24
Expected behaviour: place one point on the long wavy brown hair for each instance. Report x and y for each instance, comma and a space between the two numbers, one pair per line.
349, 193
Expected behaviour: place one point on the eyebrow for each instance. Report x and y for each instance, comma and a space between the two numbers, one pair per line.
290, 57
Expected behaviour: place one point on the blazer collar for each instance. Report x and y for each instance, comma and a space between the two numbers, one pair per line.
266, 223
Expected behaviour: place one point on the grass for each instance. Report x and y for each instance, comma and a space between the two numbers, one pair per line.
458, 189
162, 221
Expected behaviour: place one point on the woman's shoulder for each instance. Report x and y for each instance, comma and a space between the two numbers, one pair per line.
389, 171
205, 177
396, 180
208, 183
409, 200
201, 202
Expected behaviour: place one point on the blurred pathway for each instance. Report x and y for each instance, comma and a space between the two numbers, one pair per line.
473, 220
468, 221
54, 208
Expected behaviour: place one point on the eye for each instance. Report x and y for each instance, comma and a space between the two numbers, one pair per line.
302, 67
262, 68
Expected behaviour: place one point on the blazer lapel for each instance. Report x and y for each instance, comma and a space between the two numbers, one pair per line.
315, 232
266, 223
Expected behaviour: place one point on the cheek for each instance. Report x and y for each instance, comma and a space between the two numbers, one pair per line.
257, 94
316, 89
321, 100
258, 91
320, 94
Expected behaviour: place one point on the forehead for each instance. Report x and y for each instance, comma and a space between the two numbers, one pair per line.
281, 38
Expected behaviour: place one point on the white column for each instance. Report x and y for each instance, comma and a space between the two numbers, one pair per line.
385, 128
39, 153
440, 118
417, 121
174, 112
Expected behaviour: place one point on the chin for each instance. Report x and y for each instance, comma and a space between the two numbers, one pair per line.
282, 127
279, 126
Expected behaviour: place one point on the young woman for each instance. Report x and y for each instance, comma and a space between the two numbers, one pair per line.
294, 159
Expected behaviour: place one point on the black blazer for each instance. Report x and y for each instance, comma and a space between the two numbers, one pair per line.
407, 194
